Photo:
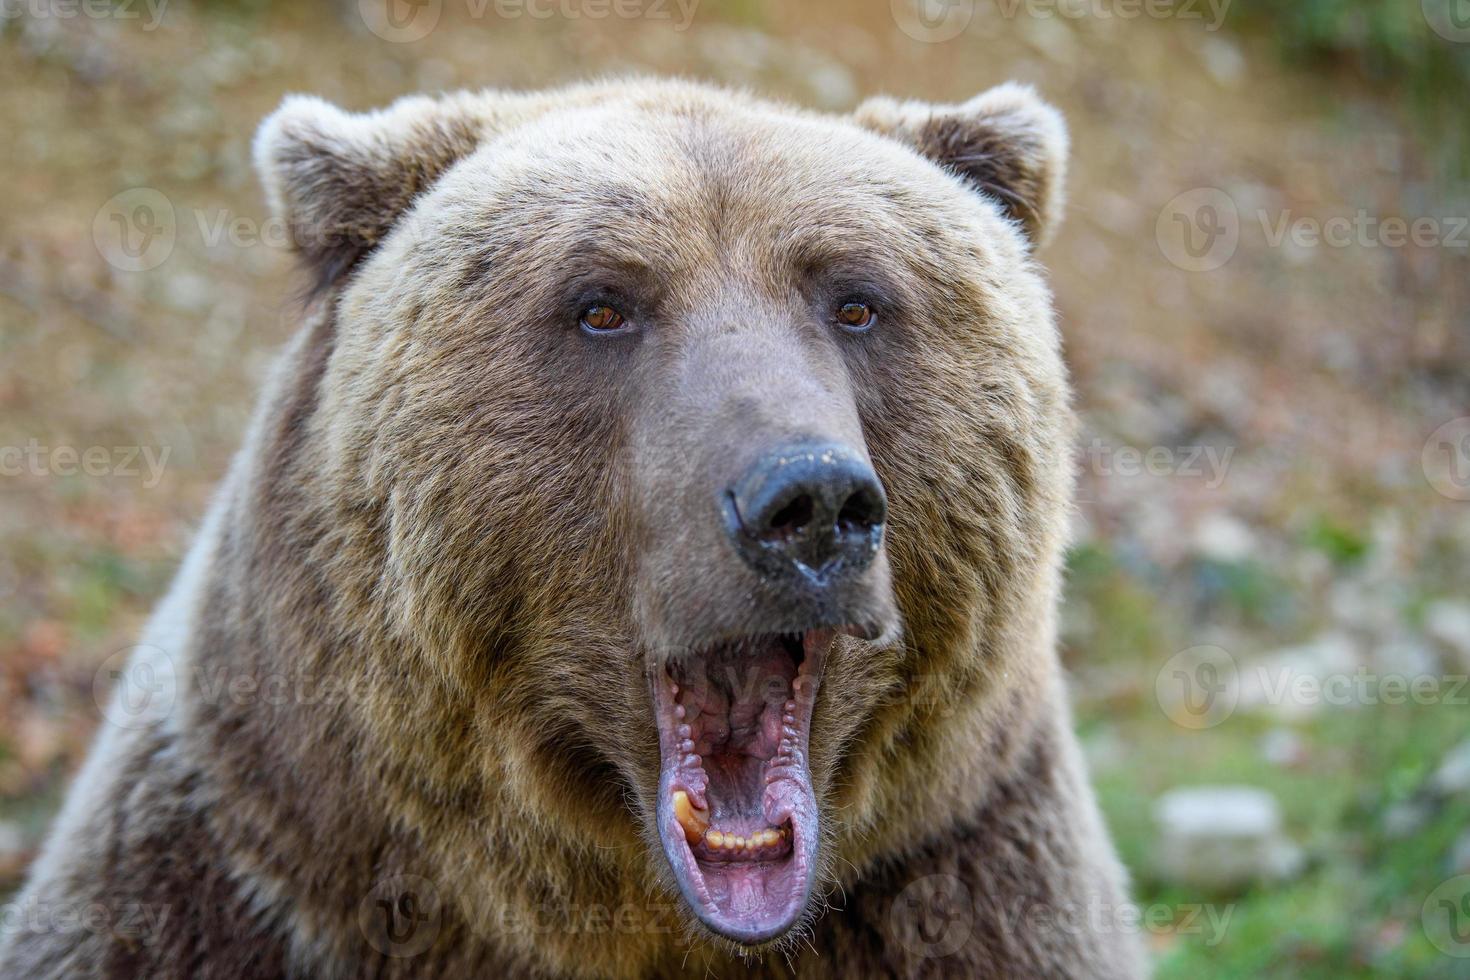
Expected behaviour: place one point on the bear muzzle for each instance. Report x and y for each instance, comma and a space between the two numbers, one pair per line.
809, 513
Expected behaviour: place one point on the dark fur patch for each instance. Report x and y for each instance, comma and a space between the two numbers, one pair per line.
996, 163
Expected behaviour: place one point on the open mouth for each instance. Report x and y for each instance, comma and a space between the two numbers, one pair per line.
736, 812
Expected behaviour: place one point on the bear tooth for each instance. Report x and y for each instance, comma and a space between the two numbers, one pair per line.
694, 820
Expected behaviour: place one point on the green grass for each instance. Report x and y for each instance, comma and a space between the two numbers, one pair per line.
1354, 911
1390, 44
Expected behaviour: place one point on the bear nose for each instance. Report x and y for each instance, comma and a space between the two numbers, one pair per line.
812, 509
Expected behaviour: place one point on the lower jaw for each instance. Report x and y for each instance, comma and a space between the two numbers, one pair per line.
742, 837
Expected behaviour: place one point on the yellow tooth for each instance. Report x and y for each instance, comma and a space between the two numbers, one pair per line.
768, 837
715, 839
694, 820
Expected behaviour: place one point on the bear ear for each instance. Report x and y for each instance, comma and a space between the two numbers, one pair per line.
1006, 143
340, 180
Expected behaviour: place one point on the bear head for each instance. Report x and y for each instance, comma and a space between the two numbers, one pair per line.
706, 450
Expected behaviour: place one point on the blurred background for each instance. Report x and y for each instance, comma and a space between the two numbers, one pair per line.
1264, 286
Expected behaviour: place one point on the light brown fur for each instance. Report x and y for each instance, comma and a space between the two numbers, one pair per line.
456, 508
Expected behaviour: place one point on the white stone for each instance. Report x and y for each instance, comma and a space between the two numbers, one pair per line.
831, 84
1283, 747
1403, 820
1298, 682
1225, 539
1460, 855
1224, 61
1448, 623
1369, 607
1405, 657
1221, 837
1453, 775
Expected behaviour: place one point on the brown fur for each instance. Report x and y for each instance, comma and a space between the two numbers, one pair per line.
477, 521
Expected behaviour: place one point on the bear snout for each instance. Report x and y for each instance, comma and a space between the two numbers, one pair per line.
807, 512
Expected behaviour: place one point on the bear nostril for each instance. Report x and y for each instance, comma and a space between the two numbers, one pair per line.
791, 519
861, 512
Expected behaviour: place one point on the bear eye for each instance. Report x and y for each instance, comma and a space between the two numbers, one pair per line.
856, 315
601, 318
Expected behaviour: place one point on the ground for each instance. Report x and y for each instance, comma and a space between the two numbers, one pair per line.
1252, 467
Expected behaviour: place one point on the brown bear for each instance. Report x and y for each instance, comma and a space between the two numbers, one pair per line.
644, 562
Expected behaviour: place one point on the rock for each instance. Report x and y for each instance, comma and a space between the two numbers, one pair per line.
1224, 61
1460, 855
1405, 657
1404, 820
1453, 775
1283, 747
1222, 538
831, 84
1222, 837
1372, 608
1297, 682
1448, 623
